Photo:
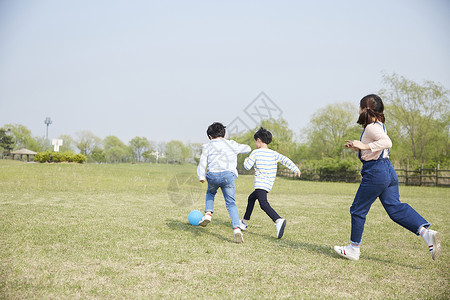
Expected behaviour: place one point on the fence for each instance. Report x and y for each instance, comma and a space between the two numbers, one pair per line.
417, 177
424, 176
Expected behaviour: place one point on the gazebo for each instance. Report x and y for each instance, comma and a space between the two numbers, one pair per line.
23, 152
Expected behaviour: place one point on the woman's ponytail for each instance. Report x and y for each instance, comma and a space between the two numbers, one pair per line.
372, 108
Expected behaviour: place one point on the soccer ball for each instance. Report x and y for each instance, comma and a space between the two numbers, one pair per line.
195, 217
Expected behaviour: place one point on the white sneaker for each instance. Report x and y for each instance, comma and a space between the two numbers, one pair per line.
348, 252
434, 244
279, 225
242, 225
238, 237
205, 220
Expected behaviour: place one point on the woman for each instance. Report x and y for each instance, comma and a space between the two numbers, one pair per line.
379, 180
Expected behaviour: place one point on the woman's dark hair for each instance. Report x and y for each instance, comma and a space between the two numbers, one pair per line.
264, 135
371, 107
215, 130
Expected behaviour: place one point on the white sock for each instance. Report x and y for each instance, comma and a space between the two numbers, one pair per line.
355, 246
424, 233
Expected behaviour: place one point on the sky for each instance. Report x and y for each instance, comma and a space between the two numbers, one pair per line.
165, 70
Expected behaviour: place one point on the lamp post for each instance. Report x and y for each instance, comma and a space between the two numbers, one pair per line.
47, 122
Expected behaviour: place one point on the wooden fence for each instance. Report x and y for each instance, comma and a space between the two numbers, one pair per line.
417, 177
424, 177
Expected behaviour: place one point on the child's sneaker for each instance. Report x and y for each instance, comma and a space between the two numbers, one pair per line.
348, 252
242, 225
205, 220
238, 238
434, 243
279, 225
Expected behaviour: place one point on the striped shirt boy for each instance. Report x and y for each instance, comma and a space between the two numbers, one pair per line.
265, 163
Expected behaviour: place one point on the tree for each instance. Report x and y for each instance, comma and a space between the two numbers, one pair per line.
329, 127
196, 152
98, 155
115, 154
176, 152
6, 141
68, 143
22, 137
418, 117
115, 150
138, 146
87, 142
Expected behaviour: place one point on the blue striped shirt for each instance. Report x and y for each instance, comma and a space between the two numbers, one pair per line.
265, 162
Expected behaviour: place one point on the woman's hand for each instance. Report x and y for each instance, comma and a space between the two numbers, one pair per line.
356, 145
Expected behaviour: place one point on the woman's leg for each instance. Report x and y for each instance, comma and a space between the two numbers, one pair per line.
365, 196
400, 213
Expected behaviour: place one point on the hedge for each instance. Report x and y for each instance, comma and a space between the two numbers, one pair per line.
56, 157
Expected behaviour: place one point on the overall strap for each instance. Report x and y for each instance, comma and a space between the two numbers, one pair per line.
389, 150
360, 138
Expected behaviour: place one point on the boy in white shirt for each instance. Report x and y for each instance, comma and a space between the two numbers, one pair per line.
265, 162
219, 158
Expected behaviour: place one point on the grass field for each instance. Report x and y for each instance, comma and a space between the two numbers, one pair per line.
120, 231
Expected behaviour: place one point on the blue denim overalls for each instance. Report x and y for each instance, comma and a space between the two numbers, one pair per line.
380, 180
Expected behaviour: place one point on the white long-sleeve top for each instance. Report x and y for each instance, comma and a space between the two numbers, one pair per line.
265, 162
376, 137
220, 155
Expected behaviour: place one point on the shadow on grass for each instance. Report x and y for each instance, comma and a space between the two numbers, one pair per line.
198, 230
284, 243
326, 250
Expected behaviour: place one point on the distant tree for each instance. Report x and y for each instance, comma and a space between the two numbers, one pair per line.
196, 151
139, 145
159, 153
417, 117
98, 155
6, 141
116, 154
22, 137
115, 150
176, 152
69, 143
329, 127
43, 144
87, 142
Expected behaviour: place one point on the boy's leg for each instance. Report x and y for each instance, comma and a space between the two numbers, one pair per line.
211, 192
228, 191
265, 206
209, 202
250, 205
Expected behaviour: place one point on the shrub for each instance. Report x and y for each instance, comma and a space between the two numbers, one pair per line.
56, 157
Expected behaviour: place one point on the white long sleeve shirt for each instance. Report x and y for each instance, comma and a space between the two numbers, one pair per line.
220, 155
265, 162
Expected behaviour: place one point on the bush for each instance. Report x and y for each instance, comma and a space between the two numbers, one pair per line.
56, 157
331, 169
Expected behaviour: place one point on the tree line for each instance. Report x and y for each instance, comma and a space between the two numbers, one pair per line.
417, 118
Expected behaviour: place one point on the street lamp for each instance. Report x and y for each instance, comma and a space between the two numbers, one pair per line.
47, 122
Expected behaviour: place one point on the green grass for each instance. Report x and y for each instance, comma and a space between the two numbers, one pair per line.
117, 231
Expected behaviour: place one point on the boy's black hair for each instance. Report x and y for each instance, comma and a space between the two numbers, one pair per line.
264, 135
215, 130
